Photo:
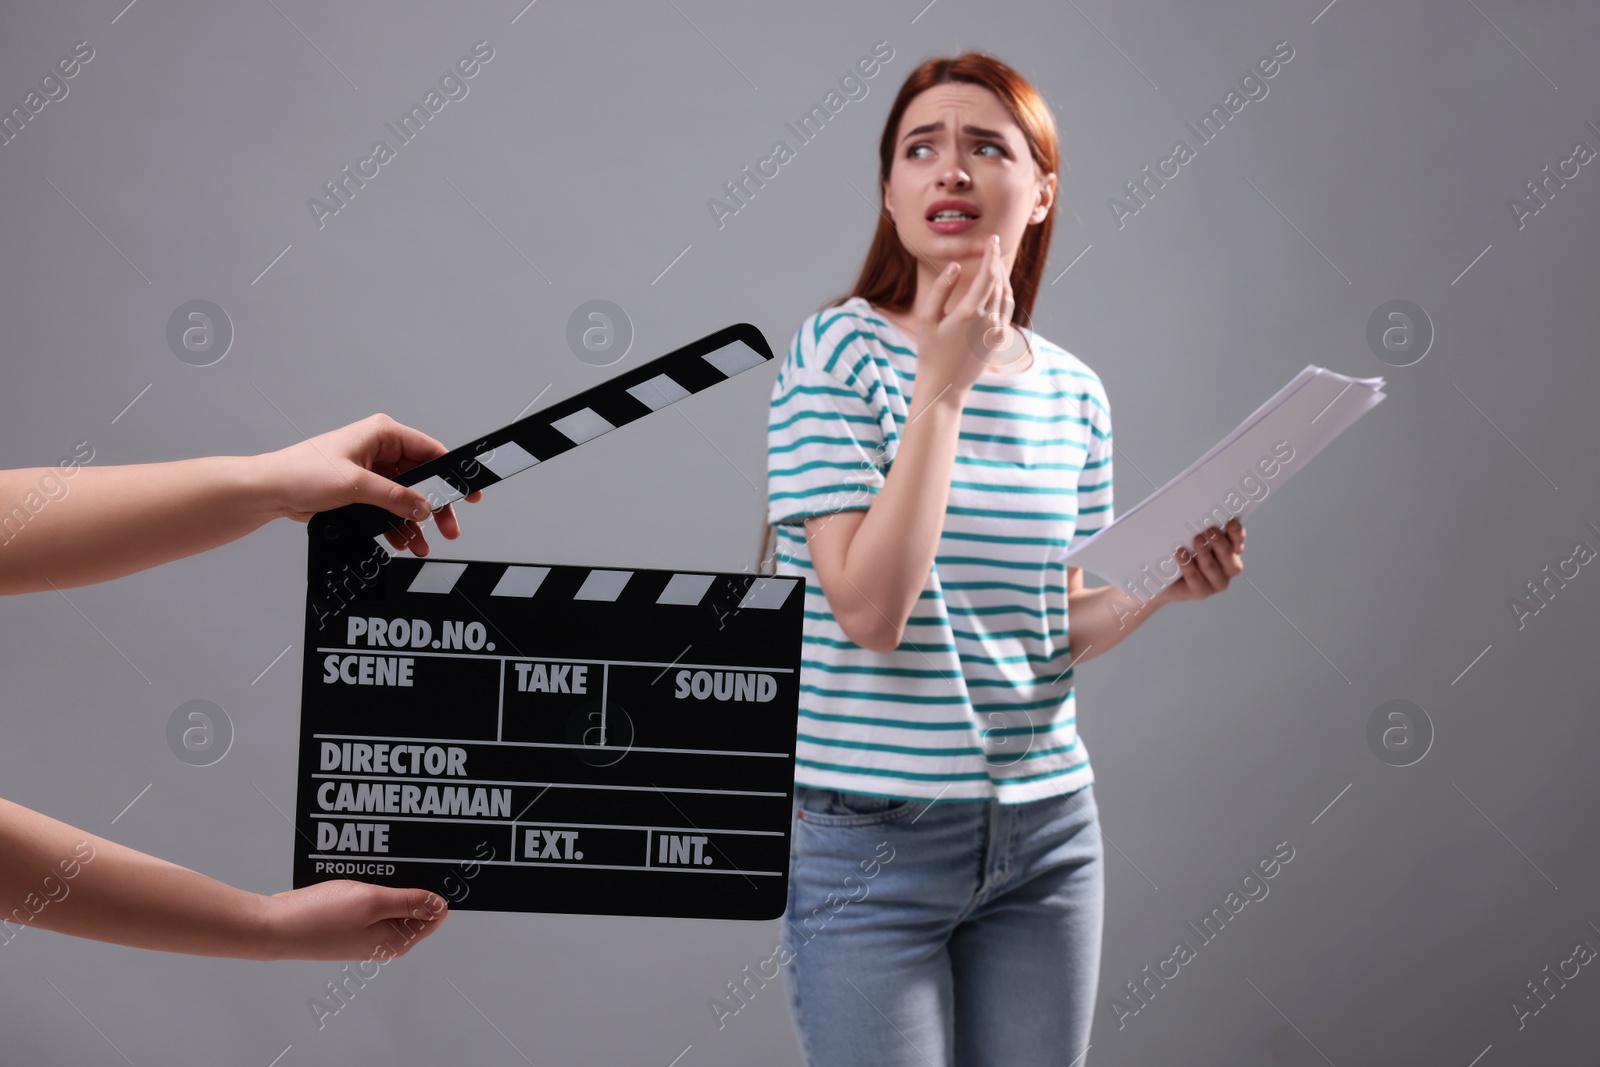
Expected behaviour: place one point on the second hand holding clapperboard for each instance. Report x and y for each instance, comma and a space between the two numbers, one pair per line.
549, 738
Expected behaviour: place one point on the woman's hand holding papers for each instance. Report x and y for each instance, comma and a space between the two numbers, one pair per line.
1207, 567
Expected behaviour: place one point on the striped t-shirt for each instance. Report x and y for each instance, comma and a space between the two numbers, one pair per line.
977, 700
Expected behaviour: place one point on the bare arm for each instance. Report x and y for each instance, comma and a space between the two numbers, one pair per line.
110, 521
113, 521
100, 523
872, 564
57, 877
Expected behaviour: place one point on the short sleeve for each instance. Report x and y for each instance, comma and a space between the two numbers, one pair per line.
1094, 480
825, 441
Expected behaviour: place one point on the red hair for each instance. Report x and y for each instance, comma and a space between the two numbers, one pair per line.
888, 278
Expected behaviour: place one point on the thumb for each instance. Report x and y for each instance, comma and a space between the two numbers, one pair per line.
930, 304
419, 904
409, 915
373, 488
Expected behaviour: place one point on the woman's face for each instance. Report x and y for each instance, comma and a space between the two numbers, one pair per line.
958, 149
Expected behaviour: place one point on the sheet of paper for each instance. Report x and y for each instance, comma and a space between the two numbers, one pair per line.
1233, 478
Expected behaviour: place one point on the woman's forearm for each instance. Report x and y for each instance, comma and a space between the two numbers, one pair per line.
894, 547
1100, 618
58, 877
112, 521
99, 523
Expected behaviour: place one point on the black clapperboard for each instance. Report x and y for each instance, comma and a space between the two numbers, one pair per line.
549, 738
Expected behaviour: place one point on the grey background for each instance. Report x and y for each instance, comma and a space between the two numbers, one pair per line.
1381, 162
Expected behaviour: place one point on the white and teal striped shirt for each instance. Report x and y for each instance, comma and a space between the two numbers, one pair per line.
977, 701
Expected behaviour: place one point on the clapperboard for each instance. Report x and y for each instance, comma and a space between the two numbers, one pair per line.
540, 737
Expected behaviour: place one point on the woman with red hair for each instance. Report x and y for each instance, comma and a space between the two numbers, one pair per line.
930, 459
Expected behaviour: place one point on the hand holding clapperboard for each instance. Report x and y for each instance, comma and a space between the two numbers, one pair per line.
615, 741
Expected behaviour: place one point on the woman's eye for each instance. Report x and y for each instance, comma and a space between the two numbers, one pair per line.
911, 152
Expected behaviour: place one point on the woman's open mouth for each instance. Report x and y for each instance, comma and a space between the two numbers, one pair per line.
948, 216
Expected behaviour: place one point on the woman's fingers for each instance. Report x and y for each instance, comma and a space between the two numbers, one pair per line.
1210, 561
983, 284
445, 519
449, 525
978, 292
929, 306
1189, 575
402, 447
1192, 571
1206, 559
997, 290
1225, 545
1008, 296
997, 283
409, 536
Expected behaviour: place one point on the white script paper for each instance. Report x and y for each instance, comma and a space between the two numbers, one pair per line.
1242, 470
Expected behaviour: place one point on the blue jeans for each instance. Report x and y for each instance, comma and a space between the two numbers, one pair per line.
957, 932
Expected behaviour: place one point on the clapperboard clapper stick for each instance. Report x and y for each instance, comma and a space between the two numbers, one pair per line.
550, 738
